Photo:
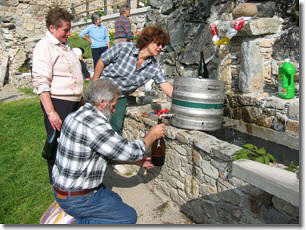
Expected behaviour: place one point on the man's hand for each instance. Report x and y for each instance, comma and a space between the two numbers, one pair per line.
145, 163
156, 132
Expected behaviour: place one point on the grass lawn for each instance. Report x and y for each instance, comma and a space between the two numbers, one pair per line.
25, 189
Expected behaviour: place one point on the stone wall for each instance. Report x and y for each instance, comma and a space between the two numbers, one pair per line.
22, 24
197, 177
248, 64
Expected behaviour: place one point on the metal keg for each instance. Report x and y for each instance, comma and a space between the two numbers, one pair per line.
198, 103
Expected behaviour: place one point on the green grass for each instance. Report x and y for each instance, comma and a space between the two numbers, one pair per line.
25, 189
76, 42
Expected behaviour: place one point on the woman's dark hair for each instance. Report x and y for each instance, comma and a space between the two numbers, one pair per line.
94, 17
153, 33
56, 15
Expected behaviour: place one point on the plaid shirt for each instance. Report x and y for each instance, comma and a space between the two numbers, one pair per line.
86, 143
123, 28
120, 65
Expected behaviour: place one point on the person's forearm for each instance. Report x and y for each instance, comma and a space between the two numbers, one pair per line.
167, 88
98, 70
45, 99
87, 39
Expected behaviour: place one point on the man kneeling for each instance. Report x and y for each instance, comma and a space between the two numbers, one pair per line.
86, 145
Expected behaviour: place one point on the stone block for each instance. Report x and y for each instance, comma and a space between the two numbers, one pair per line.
191, 187
209, 170
220, 165
293, 127
273, 216
184, 137
264, 121
245, 9
286, 207
194, 210
173, 161
251, 76
266, 43
208, 191
293, 109
196, 157
209, 208
225, 151
261, 26
275, 103
180, 150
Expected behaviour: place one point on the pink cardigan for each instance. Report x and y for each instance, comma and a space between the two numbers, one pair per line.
56, 69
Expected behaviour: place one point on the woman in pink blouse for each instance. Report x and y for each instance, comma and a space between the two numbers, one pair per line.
57, 75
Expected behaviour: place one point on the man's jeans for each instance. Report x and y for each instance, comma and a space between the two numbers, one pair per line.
100, 207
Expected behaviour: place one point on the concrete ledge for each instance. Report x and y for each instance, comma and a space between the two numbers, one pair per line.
281, 183
134, 12
270, 134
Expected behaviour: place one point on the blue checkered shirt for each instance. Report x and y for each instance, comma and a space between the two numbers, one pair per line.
120, 65
86, 143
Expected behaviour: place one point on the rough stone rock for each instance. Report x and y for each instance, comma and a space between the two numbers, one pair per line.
273, 216
245, 9
251, 77
166, 7
284, 206
261, 26
266, 9
209, 170
264, 121
194, 210
293, 127
293, 109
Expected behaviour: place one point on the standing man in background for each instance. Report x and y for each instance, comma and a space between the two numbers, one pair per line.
123, 31
98, 37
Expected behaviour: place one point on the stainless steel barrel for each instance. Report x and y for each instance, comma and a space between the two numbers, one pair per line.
198, 103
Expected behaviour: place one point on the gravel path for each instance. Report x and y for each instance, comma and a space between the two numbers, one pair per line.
10, 93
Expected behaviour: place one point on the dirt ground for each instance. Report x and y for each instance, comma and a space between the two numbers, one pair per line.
151, 208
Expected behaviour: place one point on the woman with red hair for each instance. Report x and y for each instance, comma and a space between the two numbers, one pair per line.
131, 65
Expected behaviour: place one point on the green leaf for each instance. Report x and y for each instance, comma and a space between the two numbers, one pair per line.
260, 159
243, 156
272, 158
267, 160
261, 151
249, 146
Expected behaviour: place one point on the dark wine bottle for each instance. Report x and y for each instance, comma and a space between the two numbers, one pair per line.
202, 69
158, 150
50, 147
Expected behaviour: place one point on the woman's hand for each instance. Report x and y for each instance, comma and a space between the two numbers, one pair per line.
55, 120
145, 163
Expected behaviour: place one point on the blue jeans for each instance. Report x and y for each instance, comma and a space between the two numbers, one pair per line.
100, 207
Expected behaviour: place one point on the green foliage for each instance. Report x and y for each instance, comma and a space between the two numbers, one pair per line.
292, 167
25, 189
76, 42
254, 153
111, 35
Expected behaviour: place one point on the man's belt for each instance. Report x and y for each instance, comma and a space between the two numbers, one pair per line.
76, 193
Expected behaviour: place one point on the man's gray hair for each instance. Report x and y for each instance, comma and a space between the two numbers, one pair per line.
123, 9
94, 17
101, 89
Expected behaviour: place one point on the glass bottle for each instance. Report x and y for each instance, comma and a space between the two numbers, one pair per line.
202, 69
158, 150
